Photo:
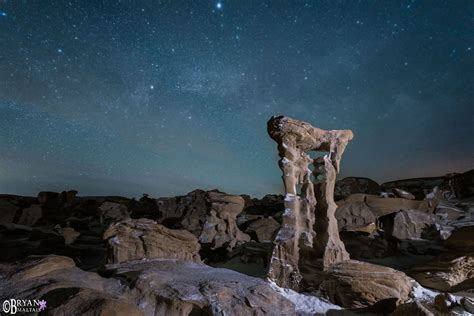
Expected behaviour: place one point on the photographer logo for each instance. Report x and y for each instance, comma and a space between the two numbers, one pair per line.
13, 306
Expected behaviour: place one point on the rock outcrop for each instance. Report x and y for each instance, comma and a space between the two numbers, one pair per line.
356, 284
350, 214
142, 287
446, 273
66, 289
383, 206
134, 239
112, 212
461, 240
409, 224
295, 139
209, 215
403, 194
352, 185
308, 253
263, 229
174, 287
220, 226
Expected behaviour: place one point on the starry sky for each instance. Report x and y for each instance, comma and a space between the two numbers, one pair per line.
163, 97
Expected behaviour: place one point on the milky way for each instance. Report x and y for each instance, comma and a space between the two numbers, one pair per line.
162, 97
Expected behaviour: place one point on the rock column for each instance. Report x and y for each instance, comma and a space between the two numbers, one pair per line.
302, 214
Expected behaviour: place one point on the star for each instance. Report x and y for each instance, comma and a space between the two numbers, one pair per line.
219, 5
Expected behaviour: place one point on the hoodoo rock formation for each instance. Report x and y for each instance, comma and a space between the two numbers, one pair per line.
302, 213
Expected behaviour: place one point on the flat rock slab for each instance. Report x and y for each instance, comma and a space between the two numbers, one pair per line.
172, 287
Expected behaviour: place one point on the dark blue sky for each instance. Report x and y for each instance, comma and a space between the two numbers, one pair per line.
162, 97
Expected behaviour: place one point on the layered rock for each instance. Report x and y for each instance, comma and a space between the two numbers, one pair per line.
446, 273
142, 287
295, 139
173, 287
134, 239
383, 206
220, 226
66, 289
356, 284
209, 215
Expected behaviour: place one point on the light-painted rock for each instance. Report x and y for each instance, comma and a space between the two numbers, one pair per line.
134, 239
178, 288
403, 194
307, 208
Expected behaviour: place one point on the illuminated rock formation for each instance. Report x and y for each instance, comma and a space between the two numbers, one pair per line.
302, 213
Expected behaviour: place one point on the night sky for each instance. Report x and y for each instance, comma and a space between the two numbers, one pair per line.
163, 97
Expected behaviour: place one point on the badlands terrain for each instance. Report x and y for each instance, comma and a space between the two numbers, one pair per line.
345, 247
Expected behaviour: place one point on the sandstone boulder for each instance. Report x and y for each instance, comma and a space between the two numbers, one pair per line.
408, 224
209, 215
112, 211
66, 289
263, 229
446, 273
220, 226
356, 284
134, 239
383, 206
350, 214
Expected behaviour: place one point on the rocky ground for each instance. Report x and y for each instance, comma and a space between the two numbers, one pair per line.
411, 245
